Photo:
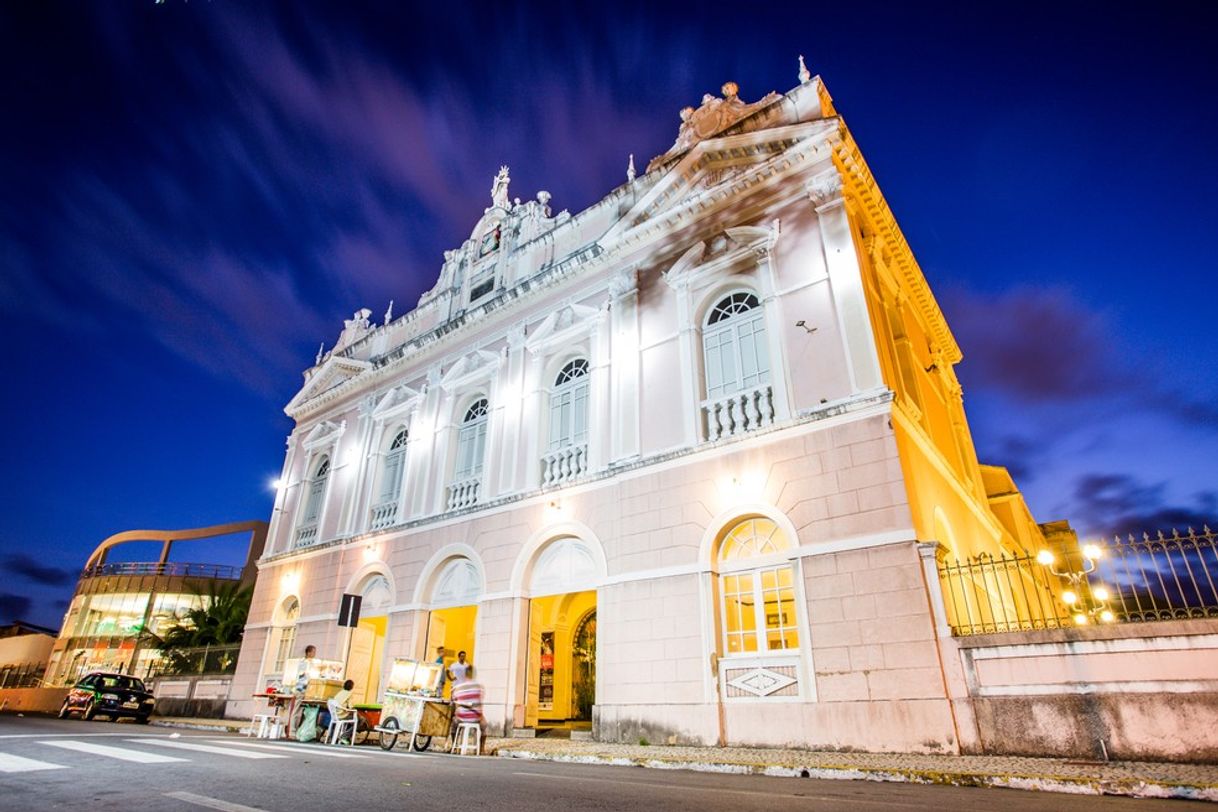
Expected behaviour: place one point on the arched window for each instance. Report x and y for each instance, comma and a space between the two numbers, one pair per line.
758, 602
285, 635
567, 455
314, 496
471, 449
385, 511
738, 395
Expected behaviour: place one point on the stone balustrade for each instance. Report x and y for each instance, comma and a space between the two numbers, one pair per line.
564, 464
739, 412
383, 515
463, 493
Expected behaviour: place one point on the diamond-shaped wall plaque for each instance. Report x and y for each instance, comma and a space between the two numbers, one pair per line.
761, 681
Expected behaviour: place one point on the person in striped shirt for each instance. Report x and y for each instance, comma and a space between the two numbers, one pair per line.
467, 698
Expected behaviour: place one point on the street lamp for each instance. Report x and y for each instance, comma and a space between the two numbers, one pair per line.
1082, 611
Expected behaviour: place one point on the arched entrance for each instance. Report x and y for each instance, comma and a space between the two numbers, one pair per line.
561, 685
452, 621
367, 646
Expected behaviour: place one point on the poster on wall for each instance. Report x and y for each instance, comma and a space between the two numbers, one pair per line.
545, 682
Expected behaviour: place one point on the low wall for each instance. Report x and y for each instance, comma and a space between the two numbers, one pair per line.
32, 700
198, 697
1132, 691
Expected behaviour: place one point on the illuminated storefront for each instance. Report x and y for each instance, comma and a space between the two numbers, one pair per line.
116, 602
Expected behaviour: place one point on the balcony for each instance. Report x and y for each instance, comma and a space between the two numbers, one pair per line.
306, 535
739, 412
463, 493
383, 515
564, 464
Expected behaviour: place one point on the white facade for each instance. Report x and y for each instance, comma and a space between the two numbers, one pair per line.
668, 408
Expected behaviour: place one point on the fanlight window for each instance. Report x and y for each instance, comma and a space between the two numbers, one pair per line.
758, 605
458, 584
471, 441
734, 346
569, 406
395, 465
317, 488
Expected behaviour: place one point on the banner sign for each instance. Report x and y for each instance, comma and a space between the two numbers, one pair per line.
348, 610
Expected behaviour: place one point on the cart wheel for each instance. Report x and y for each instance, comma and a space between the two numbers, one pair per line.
421, 743
388, 740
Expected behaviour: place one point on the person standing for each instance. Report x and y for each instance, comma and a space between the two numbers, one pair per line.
443, 670
303, 670
459, 669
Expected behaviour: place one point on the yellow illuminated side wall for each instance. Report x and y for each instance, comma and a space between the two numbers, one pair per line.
968, 507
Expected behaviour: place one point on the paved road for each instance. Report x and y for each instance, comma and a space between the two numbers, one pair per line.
53, 764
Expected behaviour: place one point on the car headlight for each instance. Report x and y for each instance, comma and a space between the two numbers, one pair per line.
113, 697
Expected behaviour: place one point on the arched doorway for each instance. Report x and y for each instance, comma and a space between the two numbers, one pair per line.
561, 685
452, 621
367, 644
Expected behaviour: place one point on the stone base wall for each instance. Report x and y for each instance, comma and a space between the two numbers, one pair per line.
1146, 692
32, 700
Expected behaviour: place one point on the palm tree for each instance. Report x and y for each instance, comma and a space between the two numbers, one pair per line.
217, 620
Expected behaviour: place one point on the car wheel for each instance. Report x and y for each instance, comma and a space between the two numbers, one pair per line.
90, 711
65, 710
141, 720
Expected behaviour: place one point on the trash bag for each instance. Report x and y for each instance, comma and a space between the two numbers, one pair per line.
307, 730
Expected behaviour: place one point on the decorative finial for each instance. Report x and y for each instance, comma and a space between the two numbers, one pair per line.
730, 89
389, 312
805, 75
321, 350
630, 173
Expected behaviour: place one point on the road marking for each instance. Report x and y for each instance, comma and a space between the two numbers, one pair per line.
19, 764
70, 735
837, 799
211, 803
205, 748
114, 752
316, 750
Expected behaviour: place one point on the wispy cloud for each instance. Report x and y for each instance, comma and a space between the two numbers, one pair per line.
23, 566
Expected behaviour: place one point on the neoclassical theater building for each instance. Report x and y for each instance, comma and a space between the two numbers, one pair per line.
667, 466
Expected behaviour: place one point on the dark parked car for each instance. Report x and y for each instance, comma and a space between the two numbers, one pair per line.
113, 695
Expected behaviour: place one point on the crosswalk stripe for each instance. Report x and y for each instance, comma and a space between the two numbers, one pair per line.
314, 750
205, 748
19, 764
122, 753
211, 803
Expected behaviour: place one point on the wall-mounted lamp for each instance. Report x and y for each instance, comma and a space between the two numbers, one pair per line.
804, 324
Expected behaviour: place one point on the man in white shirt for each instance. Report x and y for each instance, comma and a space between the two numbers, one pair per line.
459, 669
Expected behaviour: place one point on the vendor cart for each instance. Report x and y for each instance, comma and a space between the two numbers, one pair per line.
412, 705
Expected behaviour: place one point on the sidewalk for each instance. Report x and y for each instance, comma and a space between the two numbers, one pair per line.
1198, 782
1136, 779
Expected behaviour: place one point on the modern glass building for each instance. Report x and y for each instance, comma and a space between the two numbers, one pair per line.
115, 602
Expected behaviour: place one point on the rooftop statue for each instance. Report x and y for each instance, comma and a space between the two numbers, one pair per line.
499, 190
711, 118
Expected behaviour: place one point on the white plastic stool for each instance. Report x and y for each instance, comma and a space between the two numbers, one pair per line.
462, 736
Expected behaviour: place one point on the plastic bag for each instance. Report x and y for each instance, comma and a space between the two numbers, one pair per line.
307, 730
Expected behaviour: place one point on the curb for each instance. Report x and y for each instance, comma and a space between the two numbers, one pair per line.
235, 727
1132, 788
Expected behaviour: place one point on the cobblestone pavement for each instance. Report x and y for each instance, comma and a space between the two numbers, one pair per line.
1141, 779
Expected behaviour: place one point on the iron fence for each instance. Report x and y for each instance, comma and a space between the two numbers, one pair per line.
222, 571
202, 660
1130, 580
22, 675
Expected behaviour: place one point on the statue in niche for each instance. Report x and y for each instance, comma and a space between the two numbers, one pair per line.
499, 189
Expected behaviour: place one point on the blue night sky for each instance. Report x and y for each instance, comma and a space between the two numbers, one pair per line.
194, 195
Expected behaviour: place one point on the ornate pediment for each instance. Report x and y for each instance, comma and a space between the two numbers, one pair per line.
711, 118
333, 374
720, 254
565, 324
474, 367
323, 434
724, 168
396, 402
